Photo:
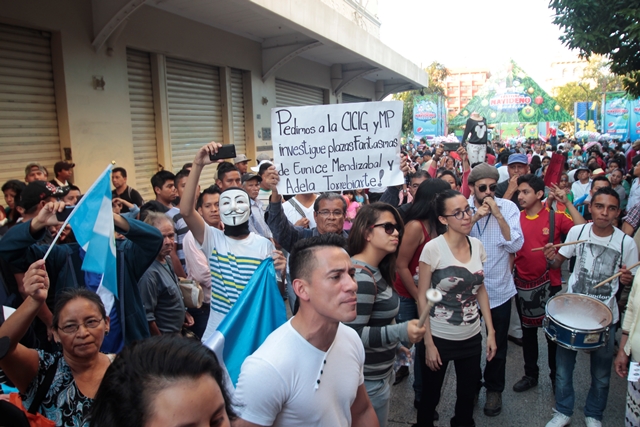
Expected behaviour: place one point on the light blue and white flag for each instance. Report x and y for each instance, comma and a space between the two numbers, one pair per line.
258, 311
92, 225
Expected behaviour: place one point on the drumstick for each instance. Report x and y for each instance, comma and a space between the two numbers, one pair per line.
434, 296
618, 274
559, 245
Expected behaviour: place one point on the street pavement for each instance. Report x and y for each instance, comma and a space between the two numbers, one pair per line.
532, 408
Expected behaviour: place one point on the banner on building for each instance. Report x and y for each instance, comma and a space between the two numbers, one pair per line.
616, 115
634, 107
337, 147
429, 116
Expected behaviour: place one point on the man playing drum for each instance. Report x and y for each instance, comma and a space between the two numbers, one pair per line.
535, 282
606, 251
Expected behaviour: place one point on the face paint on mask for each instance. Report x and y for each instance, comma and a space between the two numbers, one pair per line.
234, 207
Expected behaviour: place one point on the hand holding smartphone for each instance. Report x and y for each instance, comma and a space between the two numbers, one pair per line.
225, 152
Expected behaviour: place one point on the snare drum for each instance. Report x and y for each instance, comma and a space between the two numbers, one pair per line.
577, 322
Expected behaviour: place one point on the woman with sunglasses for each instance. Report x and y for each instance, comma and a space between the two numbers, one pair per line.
373, 246
453, 264
74, 374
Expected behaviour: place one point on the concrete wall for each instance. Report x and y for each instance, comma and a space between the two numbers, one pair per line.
96, 124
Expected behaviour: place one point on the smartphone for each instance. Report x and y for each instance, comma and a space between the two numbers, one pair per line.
225, 152
62, 216
451, 146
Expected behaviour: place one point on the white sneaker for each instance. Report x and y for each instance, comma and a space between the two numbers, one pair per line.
559, 420
592, 422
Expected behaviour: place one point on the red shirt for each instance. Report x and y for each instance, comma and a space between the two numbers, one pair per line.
413, 265
531, 265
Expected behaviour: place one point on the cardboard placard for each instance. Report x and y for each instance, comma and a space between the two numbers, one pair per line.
337, 147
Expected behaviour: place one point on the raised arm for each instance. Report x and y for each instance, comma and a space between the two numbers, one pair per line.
285, 233
188, 204
21, 363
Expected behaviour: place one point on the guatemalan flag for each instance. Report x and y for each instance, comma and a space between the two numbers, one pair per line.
92, 224
258, 311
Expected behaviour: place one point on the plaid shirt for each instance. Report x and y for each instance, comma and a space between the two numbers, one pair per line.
633, 216
498, 278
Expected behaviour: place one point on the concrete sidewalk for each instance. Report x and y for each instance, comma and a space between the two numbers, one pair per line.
531, 408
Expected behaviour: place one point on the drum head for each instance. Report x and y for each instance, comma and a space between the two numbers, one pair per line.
579, 312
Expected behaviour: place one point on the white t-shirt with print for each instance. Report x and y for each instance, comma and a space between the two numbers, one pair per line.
597, 259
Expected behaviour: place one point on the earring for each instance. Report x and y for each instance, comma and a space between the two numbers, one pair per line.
106, 332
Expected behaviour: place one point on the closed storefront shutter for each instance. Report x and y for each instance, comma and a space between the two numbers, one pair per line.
143, 121
296, 95
237, 111
347, 99
28, 117
195, 112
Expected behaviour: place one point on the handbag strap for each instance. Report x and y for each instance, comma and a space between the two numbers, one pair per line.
370, 273
43, 389
297, 207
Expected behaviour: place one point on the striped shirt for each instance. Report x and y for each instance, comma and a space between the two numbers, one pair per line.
375, 322
498, 279
232, 263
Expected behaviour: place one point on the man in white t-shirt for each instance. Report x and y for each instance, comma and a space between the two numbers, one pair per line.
607, 250
233, 254
313, 364
299, 210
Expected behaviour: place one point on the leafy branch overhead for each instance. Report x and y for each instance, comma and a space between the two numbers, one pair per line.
610, 28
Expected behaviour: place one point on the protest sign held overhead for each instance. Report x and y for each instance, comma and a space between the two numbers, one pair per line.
337, 147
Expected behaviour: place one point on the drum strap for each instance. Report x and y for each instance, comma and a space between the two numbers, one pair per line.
621, 244
552, 223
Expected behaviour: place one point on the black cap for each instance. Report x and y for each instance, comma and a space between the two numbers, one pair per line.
249, 176
37, 191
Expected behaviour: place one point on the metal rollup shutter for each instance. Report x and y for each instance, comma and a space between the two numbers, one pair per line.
195, 112
296, 95
28, 116
143, 120
348, 99
237, 111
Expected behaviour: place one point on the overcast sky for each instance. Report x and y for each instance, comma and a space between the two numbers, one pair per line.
481, 33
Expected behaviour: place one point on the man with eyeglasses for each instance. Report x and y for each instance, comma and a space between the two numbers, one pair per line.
496, 223
328, 211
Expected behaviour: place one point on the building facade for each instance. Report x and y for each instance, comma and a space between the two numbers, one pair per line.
462, 86
145, 83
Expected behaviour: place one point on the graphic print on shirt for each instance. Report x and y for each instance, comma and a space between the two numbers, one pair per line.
459, 289
596, 263
481, 129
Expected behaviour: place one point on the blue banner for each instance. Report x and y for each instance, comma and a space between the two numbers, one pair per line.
634, 106
429, 116
616, 115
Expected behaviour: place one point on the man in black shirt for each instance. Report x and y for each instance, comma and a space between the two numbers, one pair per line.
122, 190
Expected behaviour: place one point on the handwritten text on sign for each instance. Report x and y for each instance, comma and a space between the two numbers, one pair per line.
337, 147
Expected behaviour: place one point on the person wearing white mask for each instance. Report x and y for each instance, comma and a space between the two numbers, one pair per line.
233, 254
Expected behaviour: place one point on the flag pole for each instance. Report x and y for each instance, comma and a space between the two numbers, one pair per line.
66, 221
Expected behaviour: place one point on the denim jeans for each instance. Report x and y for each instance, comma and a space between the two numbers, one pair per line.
601, 360
379, 392
409, 311
494, 371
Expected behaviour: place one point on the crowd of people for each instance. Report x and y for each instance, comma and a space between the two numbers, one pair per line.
354, 267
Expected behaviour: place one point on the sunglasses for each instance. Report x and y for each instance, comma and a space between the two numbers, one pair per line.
388, 227
483, 187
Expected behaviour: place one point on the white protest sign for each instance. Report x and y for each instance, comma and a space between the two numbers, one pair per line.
337, 147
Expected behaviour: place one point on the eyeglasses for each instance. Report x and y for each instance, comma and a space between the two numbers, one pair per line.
388, 227
326, 214
89, 324
460, 214
483, 187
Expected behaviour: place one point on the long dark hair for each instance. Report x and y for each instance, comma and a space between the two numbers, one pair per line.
366, 217
439, 207
421, 209
145, 368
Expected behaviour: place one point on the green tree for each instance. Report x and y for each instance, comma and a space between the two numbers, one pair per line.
438, 73
574, 92
598, 73
610, 28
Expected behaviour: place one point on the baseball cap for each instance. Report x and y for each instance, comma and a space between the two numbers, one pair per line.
60, 166
34, 165
241, 158
249, 176
518, 158
262, 162
37, 191
263, 156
